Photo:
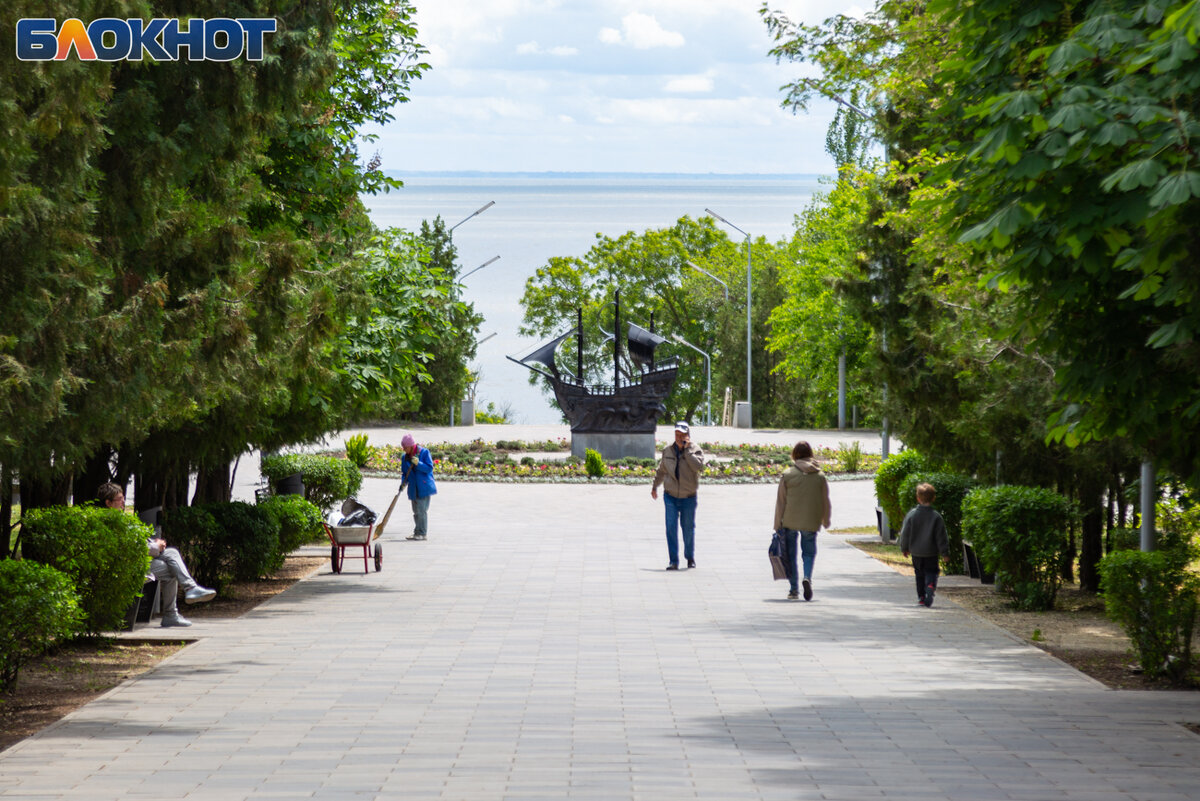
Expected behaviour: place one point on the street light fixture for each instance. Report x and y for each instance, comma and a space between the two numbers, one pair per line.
749, 406
713, 277
707, 380
475, 213
480, 267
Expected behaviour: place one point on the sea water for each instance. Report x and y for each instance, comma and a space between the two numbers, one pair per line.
539, 216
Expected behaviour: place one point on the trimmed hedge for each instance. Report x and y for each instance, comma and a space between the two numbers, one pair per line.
38, 608
299, 521
1020, 534
1153, 596
952, 489
103, 551
891, 473
223, 542
327, 479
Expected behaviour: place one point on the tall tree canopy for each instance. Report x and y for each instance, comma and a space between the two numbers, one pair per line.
180, 240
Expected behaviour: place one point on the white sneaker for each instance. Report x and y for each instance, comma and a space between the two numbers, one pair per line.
198, 595
176, 620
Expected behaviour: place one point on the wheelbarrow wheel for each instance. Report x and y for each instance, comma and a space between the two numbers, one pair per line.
335, 558
378, 556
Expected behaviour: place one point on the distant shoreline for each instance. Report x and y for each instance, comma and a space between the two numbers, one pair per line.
551, 174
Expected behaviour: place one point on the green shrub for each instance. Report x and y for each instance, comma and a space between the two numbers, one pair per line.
223, 542
252, 536
298, 521
358, 451
593, 463
850, 457
952, 489
38, 608
195, 532
1153, 597
327, 480
1020, 534
103, 551
1125, 539
527, 460
892, 471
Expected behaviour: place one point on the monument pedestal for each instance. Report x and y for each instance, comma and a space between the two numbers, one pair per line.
614, 446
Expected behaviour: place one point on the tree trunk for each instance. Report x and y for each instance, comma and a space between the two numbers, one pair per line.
167, 489
212, 485
1091, 539
96, 470
6, 510
37, 493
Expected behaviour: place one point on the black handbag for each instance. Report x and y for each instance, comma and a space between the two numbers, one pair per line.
775, 553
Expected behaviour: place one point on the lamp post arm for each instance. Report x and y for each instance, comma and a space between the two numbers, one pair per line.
475, 213
724, 285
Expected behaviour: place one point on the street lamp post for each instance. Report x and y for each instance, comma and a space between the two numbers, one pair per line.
724, 285
449, 233
477, 269
707, 378
475, 213
749, 405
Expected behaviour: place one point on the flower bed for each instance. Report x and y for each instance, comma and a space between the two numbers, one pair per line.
516, 461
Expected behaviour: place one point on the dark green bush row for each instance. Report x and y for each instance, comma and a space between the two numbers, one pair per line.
327, 480
951, 489
38, 608
223, 542
1020, 533
1153, 596
103, 551
888, 478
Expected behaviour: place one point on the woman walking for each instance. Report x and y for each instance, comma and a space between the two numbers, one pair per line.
801, 509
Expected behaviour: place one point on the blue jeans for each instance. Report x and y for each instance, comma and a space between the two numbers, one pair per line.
420, 507
681, 512
808, 554
790, 552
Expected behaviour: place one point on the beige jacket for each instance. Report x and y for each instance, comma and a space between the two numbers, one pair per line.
691, 465
802, 503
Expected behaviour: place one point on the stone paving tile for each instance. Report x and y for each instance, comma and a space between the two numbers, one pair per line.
534, 648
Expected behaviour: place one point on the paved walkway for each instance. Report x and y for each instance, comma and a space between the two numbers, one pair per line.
534, 648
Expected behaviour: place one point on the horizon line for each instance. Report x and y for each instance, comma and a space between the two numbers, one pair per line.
599, 173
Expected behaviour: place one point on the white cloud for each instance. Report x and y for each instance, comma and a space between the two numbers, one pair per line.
689, 84
534, 49
641, 32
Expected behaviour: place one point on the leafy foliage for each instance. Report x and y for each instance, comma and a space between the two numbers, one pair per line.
1153, 596
358, 451
327, 480
38, 608
102, 551
888, 479
299, 521
223, 542
659, 290
1020, 533
594, 463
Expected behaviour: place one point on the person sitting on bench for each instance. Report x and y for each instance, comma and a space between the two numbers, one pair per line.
166, 566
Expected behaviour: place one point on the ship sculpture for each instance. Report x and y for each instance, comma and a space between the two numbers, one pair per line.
616, 419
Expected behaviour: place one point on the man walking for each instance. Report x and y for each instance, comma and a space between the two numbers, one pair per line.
679, 473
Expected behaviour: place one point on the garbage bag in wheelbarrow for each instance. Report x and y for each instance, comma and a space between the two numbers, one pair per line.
354, 529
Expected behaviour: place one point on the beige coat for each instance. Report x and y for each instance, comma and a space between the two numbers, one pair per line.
691, 465
802, 503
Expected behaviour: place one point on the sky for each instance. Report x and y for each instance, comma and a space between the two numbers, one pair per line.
605, 86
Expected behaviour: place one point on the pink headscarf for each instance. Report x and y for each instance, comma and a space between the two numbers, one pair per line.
407, 442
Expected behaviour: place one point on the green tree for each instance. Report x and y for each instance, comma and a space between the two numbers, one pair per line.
812, 327
658, 288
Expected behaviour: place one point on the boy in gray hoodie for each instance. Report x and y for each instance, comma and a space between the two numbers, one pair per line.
923, 535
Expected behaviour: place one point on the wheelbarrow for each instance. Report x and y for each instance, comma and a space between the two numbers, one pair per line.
361, 536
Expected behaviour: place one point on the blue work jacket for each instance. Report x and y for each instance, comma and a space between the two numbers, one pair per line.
418, 477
